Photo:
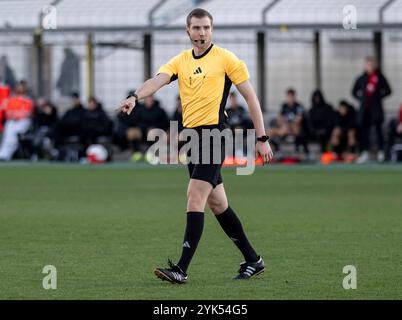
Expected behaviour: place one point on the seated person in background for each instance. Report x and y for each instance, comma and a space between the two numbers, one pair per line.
150, 116
72, 123
322, 119
45, 114
18, 111
290, 122
394, 132
42, 133
122, 136
96, 123
343, 137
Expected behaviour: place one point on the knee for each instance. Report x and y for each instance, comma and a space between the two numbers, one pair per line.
216, 207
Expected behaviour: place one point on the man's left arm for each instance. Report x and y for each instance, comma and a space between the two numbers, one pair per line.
248, 93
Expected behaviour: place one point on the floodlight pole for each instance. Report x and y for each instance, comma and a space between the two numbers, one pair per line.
147, 42
261, 68
261, 58
90, 65
317, 59
377, 36
147, 48
267, 9
39, 53
38, 63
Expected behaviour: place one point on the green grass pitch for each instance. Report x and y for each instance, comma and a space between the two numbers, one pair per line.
105, 228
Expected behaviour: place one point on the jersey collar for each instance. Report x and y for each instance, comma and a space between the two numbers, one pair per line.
204, 54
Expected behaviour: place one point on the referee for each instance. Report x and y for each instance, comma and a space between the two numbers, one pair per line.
205, 74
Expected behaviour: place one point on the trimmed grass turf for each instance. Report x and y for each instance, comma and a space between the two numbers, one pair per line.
105, 228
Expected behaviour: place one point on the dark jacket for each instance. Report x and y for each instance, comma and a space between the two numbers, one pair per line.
71, 124
125, 121
41, 119
347, 121
321, 115
375, 113
154, 117
96, 124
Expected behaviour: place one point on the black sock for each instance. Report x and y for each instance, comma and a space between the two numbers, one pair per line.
231, 224
194, 227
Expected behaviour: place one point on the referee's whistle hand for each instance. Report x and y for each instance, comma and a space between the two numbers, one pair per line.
127, 105
264, 150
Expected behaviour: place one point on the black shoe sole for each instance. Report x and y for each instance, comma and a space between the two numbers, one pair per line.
258, 273
164, 277
254, 275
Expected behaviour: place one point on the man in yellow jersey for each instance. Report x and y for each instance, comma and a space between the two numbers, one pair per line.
205, 74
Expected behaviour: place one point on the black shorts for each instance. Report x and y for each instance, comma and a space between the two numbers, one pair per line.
209, 172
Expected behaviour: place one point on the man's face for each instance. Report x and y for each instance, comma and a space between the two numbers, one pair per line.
343, 110
92, 104
20, 89
41, 102
200, 29
370, 66
149, 102
317, 99
75, 101
290, 99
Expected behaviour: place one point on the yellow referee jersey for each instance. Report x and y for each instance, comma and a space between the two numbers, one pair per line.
204, 83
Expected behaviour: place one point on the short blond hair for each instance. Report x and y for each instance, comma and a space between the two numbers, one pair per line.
198, 13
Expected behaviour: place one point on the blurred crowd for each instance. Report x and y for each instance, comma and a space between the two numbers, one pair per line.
346, 133
33, 128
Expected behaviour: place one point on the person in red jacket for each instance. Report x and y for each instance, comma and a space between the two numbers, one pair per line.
18, 110
370, 89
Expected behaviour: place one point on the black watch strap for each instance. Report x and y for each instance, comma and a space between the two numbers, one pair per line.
132, 95
263, 138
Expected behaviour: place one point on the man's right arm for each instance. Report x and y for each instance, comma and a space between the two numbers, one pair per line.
148, 88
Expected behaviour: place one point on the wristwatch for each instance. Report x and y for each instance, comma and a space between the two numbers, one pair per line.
263, 138
132, 95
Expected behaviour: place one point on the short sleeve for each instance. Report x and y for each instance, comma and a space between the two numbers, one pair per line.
171, 68
235, 68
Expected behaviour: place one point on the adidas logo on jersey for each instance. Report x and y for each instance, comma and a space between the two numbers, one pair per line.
186, 245
198, 70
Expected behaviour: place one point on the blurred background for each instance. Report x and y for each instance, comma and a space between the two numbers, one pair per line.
92, 53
